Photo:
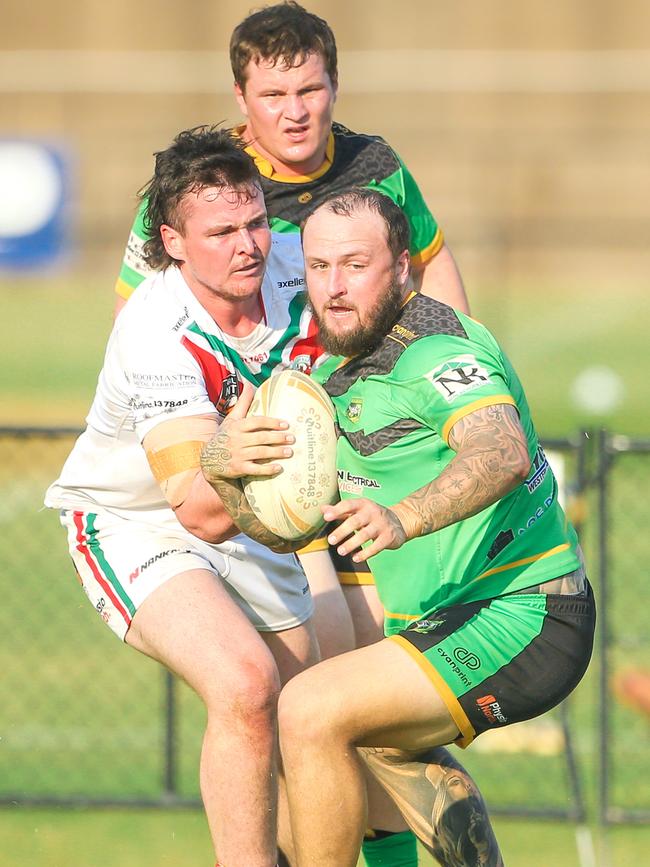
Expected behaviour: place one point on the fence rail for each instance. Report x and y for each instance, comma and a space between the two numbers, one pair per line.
88, 723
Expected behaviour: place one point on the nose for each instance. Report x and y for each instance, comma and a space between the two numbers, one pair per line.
295, 108
245, 241
335, 284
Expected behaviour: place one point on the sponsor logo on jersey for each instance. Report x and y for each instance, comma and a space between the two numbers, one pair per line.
287, 284
425, 625
229, 394
255, 358
503, 539
134, 256
491, 709
458, 376
537, 514
161, 380
352, 484
302, 363
404, 333
181, 321
353, 412
470, 660
538, 470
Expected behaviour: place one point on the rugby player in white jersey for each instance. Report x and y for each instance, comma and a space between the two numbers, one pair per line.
158, 556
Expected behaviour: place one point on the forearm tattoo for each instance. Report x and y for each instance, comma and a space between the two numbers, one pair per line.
441, 804
235, 503
491, 451
215, 458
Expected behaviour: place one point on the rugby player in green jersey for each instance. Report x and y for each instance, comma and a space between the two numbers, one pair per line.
284, 63
446, 491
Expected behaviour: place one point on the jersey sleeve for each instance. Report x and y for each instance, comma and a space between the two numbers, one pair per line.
426, 235
447, 379
134, 268
163, 380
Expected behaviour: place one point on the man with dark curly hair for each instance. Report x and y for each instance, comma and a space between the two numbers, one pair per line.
156, 553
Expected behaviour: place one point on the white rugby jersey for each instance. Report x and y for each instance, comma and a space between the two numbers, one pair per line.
166, 358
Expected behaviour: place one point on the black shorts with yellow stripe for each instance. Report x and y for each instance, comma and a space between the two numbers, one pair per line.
349, 572
504, 660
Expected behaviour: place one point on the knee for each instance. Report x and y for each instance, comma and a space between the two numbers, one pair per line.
247, 699
306, 715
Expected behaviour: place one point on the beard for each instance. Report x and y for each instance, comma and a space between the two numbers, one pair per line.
365, 336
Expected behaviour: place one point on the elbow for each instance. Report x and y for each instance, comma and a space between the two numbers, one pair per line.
521, 469
214, 530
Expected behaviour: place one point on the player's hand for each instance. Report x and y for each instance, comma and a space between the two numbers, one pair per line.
363, 521
246, 446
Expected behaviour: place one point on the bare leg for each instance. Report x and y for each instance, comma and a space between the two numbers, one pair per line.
191, 625
367, 618
293, 650
440, 802
328, 711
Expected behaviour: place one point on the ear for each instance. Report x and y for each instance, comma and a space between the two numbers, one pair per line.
241, 99
173, 242
403, 267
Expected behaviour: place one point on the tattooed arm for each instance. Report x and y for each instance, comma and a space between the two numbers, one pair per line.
234, 452
491, 460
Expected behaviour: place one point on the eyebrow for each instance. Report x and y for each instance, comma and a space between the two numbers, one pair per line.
222, 227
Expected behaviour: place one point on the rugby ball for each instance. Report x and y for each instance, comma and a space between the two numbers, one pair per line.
289, 503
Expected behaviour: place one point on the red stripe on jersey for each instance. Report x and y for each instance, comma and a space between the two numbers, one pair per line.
213, 372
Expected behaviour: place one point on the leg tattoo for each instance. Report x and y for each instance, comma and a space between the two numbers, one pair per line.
440, 802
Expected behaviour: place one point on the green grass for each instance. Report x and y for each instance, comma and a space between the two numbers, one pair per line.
133, 838
53, 333
81, 714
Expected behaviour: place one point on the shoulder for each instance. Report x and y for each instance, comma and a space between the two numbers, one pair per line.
153, 311
285, 267
376, 153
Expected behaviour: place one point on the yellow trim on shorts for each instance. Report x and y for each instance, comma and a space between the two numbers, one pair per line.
174, 459
493, 400
353, 579
466, 729
551, 551
318, 544
123, 289
423, 257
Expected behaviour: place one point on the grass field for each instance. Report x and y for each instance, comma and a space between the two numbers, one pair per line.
118, 838
53, 333
81, 715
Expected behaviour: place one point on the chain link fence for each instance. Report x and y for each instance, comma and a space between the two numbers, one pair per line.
85, 720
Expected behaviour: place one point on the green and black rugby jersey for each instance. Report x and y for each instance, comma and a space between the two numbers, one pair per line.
395, 408
352, 159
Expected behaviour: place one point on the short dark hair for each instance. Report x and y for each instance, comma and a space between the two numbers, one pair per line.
205, 156
284, 33
349, 203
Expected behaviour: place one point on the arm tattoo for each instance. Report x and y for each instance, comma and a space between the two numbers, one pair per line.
440, 802
214, 458
492, 455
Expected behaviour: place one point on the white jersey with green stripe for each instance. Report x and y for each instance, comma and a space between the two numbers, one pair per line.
167, 358
395, 407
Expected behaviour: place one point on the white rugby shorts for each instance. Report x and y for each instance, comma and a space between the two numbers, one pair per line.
121, 562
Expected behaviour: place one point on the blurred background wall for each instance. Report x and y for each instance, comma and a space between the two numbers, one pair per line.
527, 125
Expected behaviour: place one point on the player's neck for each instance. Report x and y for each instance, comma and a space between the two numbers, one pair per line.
237, 318
299, 169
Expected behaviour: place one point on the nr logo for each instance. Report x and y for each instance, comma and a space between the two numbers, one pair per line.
469, 660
